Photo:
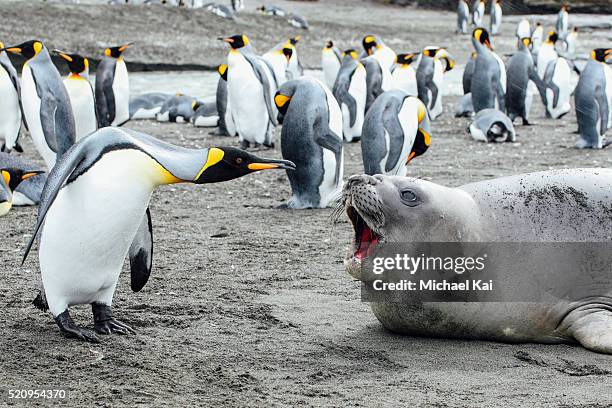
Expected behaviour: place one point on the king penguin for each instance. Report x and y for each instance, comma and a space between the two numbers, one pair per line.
496, 16
113, 88
466, 80
395, 131
478, 12
311, 137
46, 104
331, 60
404, 76
94, 212
81, 94
378, 79
350, 90
251, 87
488, 85
10, 105
593, 100
430, 78
557, 79
463, 16
10, 178
547, 53
523, 29
279, 59
562, 25
374, 46
224, 111
30, 188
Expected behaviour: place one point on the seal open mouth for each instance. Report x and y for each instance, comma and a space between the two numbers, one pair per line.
365, 239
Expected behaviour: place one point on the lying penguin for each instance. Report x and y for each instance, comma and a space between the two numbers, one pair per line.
311, 138
180, 109
395, 131
147, 105
94, 212
206, 115
492, 125
10, 179
29, 190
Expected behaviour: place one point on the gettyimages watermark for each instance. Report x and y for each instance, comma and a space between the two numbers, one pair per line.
486, 271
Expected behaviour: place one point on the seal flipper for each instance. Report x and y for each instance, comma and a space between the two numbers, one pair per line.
594, 331
334, 143
141, 254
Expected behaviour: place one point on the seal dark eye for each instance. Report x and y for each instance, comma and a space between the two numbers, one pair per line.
409, 198
239, 160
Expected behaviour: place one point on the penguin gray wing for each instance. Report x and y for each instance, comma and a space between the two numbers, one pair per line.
373, 81
392, 125
332, 142
540, 85
342, 95
548, 80
141, 254
263, 79
604, 109
337, 54
105, 99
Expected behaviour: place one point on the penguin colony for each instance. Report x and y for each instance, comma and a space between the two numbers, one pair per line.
370, 94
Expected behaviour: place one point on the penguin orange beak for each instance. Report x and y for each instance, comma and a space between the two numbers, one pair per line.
63, 55
14, 50
125, 46
29, 174
272, 164
227, 40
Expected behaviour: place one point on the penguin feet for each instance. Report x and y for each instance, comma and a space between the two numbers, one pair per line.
105, 323
69, 329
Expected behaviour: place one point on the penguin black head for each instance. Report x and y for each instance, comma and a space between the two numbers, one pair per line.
76, 63
526, 41
294, 40
552, 37
12, 176
282, 104
223, 71
351, 53
116, 52
565, 7
195, 104
601, 54
28, 49
236, 41
405, 59
228, 163
287, 52
482, 36
430, 52
329, 44
369, 44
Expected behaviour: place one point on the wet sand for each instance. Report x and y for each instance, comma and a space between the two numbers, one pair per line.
249, 304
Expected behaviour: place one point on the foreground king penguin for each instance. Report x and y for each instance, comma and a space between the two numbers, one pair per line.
94, 212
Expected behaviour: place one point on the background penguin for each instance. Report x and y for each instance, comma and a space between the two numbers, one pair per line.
312, 136
478, 12
10, 179
523, 29
81, 94
331, 60
488, 85
147, 105
562, 25
224, 111
463, 16
547, 53
378, 80
10, 105
496, 16
350, 90
297, 21
278, 59
593, 100
536, 38
178, 109
295, 68
492, 125
430, 78
237, 5
404, 76
520, 71
251, 86
272, 10
557, 80
205, 115
468, 72
465, 108
221, 10
570, 43
94, 212
374, 46
29, 190
113, 88
46, 104
395, 131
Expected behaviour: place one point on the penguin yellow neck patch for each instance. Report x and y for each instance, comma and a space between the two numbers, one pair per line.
215, 155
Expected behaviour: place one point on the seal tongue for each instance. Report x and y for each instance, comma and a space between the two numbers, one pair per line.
367, 242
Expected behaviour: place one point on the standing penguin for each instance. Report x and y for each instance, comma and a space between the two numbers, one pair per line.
562, 25
593, 100
10, 105
557, 80
404, 76
278, 60
81, 94
113, 88
251, 86
430, 78
478, 12
547, 53
46, 104
521, 70
496, 16
536, 38
463, 16
570, 43
312, 136
294, 68
374, 46
378, 80
468, 72
226, 122
331, 60
350, 90
488, 84
395, 131
94, 213
523, 29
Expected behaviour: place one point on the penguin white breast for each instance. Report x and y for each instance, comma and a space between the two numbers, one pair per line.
331, 66
279, 64
357, 89
404, 78
83, 106
121, 90
10, 113
91, 224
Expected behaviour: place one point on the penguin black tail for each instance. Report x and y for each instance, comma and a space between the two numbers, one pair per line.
40, 302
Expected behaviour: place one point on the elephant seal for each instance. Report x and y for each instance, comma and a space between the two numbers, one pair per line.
549, 207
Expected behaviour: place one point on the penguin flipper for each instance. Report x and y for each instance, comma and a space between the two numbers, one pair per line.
548, 81
333, 143
342, 95
392, 125
141, 254
604, 109
262, 76
48, 109
540, 85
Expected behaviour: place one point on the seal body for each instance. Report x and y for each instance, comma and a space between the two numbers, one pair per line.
551, 206
312, 138
350, 90
593, 100
396, 130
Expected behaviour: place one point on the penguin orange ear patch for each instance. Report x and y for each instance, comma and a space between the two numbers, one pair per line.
7, 176
37, 47
280, 100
